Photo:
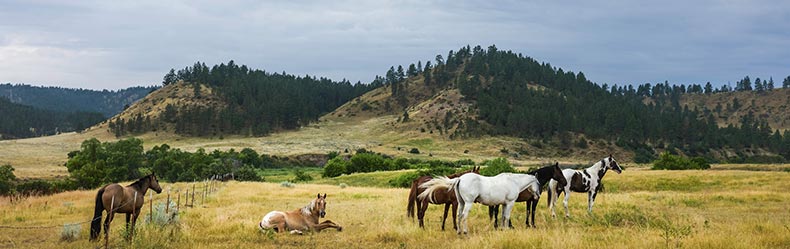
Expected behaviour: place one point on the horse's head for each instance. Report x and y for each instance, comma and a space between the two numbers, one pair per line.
557, 174
320, 205
154, 183
476, 170
610, 163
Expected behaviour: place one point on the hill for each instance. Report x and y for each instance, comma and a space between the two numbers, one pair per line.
21, 121
61, 99
729, 108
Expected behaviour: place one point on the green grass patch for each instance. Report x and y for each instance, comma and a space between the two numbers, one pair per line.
423, 144
379, 179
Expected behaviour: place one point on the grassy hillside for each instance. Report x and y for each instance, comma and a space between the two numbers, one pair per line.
773, 106
641, 209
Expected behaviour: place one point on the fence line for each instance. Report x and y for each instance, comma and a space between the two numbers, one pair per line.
178, 208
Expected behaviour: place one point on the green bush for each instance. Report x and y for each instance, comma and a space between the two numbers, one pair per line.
35, 187
496, 166
367, 162
335, 167
404, 180
7, 178
301, 176
70, 232
673, 162
247, 173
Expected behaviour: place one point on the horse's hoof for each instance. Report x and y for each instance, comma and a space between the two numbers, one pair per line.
340, 229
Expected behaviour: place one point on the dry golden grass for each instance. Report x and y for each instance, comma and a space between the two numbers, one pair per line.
642, 209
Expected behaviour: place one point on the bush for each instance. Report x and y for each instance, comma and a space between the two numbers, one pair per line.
35, 187
496, 166
414, 151
247, 173
301, 176
70, 232
6, 179
405, 180
367, 162
287, 184
642, 155
160, 217
335, 167
672, 162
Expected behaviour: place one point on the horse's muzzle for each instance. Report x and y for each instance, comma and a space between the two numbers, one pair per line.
322, 214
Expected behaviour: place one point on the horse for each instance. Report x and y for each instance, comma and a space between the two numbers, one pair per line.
128, 200
300, 220
543, 175
469, 188
587, 180
446, 198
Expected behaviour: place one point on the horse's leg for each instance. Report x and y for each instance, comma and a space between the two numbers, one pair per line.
565, 203
464, 216
506, 214
528, 204
553, 195
134, 221
327, 224
494, 212
534, 206
591, 200
455, 212
421, 211
110, 216
444, 216
128, 232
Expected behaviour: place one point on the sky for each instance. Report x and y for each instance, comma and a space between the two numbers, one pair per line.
117, 44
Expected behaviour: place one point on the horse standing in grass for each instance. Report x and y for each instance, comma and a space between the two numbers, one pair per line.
128, 200
470, 188
543, 175
300, 220
587, 180
440, 197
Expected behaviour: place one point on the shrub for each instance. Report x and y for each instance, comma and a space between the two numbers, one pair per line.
343, 185
6, 179
160, 217
301, 176
642, 155
247, 173
405, 180
35, 187
335, 167
672, 162
496, 166
70, 232
367, 162
414, 151
287, 184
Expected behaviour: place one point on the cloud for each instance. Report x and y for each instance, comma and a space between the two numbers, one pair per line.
108, 44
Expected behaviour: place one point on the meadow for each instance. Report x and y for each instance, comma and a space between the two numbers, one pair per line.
639, 209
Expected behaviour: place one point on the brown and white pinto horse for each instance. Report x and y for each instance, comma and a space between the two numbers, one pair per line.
440, 197
300, 220
128, 200
587, 180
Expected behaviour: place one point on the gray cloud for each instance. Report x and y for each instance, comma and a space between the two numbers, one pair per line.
108, 44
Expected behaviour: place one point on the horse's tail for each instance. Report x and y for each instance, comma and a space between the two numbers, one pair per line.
96, 222
436, 183
412, 199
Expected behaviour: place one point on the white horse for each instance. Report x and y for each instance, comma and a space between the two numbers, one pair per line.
469, 188
587, 180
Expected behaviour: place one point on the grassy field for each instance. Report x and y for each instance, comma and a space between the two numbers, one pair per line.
640, 209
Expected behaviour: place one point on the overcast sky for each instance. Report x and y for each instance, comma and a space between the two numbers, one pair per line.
116, 44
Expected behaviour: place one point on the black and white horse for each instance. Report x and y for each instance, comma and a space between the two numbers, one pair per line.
587, 180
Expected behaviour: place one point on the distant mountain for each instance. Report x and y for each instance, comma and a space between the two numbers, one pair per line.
61, 99
21, 121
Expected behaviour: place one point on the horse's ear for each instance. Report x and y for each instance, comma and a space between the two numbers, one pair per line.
324, 195
318, 196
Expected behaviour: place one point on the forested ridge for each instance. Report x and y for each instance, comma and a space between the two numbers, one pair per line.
62, 99
519, 96
21, 121
256, 102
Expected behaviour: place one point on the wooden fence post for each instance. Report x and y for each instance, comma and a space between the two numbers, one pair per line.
178, 202
151, 206
193, 196
167, 204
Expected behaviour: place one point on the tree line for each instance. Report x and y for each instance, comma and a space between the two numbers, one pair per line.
67, 100
519, 96
21, 121
257, 102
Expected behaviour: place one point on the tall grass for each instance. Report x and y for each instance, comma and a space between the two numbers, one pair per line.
721, 209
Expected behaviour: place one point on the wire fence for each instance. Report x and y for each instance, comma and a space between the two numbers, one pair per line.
209, 186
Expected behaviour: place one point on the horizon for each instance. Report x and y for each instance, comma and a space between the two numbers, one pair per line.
111, 46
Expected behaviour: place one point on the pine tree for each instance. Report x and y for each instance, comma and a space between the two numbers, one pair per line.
708, 88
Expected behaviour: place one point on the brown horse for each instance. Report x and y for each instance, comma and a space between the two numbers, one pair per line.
439, 197
115, 198
300, 220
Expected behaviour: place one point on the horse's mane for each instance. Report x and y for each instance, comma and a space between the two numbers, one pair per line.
139, 182
308, 210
